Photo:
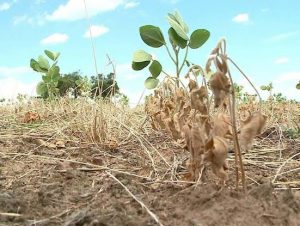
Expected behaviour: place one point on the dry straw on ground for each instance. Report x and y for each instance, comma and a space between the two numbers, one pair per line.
101, 139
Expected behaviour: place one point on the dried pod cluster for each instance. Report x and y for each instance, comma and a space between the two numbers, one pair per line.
186, 116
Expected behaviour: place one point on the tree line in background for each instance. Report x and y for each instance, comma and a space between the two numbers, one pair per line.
75, 85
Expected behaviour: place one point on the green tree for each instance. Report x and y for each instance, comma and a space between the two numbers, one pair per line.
109, 87
68, 82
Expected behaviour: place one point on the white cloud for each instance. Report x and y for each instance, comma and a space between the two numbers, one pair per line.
11, 87
241, 18
55, 38
126, 72
19, 19
286, 84
13, 71
75, 9
125, 76
32, 20
282, 36
135, 96
4, 6
96, 30
282, 60
131, 4
289, 76
11, 84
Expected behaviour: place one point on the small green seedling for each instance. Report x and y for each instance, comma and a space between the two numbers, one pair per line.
50, 74
179, 39
238, 89
268, 88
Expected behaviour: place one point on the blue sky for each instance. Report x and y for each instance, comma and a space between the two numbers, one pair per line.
263, 38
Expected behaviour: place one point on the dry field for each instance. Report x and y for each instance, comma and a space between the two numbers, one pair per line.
80, 163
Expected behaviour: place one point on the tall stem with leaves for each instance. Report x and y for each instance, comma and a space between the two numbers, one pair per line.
50, 74
178, 38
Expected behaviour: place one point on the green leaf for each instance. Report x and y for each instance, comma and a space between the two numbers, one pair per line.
42, 90
181, 22
177, 27
172, 17
151, 83
263, 87
56, 55
54, 83
46, 78
198, 38
271, 85
175, 39
79, 82
298, 85
53, 56
196, 70
187, 63
54, 73
208, 74
43, 62
137, 66
141, 56
152, 36
155, 69
35, 66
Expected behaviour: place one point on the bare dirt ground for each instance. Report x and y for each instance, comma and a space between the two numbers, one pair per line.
84, 184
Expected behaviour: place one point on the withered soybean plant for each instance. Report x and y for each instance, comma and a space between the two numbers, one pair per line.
185, 112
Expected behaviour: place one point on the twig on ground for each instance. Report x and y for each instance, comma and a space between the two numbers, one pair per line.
155, 218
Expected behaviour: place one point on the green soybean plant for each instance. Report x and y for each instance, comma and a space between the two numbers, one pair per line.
268, 88
298, 85
50, 74
179, 40
238, 89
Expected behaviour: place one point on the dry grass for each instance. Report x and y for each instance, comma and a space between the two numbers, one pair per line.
126, 144
105, 144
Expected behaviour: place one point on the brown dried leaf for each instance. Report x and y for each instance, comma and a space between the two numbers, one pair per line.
186, 134
30, 117
45, 143
250, 128
221, 65
197, 100
222, 126
220, 86
60, 144
192, 84
170, 127
216, 150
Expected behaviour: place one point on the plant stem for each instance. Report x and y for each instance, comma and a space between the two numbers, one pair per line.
184, 59
237, 149
170, 54
166, 73
100, 87
177, 66
260, 100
